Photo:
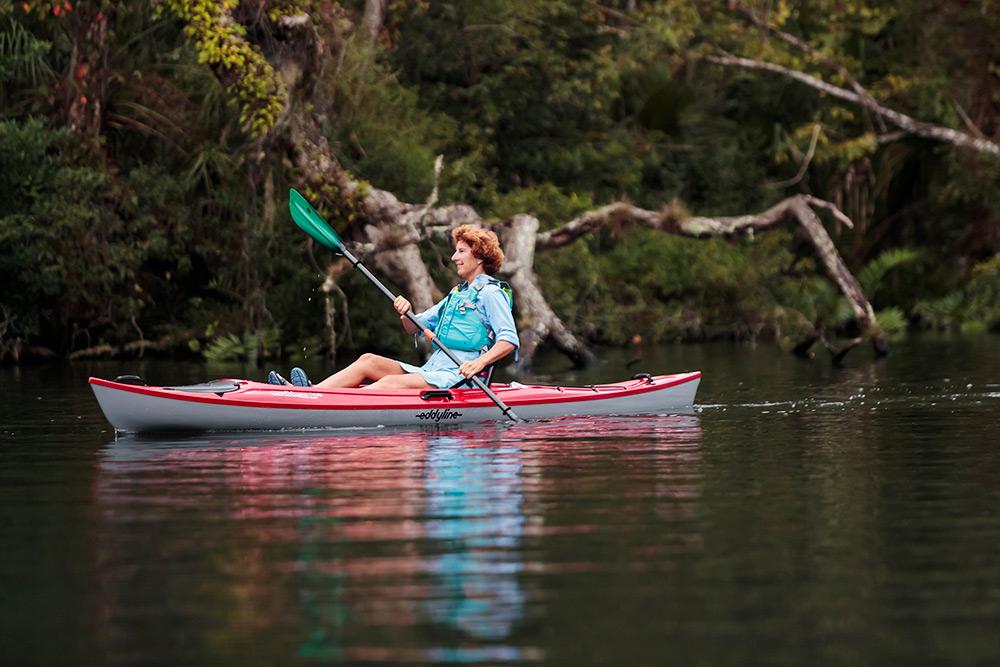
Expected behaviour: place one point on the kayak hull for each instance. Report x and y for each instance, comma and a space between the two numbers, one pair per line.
240, 405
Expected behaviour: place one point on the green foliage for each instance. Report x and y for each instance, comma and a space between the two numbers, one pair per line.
382, 132
893, 322
668, 288
552, 205
22, 57
974, 308
68, 260
942, 313
247, 348
874, 274
820, 301
983, 295
222, 44
174, 223
533, 85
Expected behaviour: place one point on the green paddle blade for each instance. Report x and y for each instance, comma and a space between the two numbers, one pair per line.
309, 221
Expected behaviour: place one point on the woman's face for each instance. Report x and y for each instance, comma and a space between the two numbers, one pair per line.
466, 264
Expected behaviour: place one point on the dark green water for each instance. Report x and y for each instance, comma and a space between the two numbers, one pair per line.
805, 515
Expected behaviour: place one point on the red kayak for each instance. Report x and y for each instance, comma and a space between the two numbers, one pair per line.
235, 405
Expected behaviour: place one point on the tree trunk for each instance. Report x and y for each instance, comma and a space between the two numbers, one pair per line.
536, 319
85, 84
374, 17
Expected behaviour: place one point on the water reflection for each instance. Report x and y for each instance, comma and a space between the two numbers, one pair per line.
384, 546
474, 502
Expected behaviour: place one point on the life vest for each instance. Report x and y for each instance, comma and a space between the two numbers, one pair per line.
462, 324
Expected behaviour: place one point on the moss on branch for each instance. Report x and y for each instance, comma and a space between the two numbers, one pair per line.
221, 44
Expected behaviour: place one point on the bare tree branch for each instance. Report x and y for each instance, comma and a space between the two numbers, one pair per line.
968, 121
805, 47
900, 120
805, 161
538, 321
673, 220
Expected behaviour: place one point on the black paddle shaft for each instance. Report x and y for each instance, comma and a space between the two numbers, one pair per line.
356, 263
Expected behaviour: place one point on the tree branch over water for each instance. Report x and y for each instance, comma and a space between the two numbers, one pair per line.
897, 118
673, 220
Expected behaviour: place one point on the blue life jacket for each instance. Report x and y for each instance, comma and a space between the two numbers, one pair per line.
462, 324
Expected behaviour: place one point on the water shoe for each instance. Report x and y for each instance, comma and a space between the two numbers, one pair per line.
299, 378
274, 378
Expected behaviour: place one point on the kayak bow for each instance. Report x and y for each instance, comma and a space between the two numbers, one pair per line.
237, 405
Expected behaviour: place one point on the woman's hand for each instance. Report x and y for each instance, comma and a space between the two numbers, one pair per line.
499, 350
401, 305
470, 368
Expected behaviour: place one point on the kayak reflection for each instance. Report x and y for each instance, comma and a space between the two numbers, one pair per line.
385, 546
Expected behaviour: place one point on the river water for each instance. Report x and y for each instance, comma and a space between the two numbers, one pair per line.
803, 515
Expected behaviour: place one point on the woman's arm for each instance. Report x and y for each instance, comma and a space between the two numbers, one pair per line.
499, 316
428, 318
499, 350
501, 320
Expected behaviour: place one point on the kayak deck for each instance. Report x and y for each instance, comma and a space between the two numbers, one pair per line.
234, 404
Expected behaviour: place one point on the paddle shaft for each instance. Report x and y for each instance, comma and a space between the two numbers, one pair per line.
356, 263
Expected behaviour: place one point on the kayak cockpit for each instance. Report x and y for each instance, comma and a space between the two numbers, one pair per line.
219, 387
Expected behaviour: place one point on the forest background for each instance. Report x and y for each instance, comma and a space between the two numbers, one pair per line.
146, 149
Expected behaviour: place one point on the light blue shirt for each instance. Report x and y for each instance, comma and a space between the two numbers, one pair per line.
497, 313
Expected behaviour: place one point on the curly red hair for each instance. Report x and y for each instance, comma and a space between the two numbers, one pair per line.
484, 245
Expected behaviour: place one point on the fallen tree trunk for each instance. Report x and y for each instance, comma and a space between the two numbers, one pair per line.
672, 220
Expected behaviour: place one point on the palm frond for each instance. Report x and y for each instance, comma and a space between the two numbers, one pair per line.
874, 272
23, 55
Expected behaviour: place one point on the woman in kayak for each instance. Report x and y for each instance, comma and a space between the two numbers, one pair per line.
474, 321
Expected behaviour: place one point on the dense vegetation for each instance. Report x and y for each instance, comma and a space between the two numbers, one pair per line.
137, 193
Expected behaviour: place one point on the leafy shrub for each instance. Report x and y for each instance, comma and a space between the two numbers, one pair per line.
68, 259
982, 295
248, 348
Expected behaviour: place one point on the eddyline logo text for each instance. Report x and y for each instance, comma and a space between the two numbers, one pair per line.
439, 415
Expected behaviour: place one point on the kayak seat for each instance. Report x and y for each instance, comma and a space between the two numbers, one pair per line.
486, 376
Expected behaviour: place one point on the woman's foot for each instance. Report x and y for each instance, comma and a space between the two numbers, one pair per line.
274, 378
299, 378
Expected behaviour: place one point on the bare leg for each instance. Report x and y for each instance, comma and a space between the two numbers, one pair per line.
405, 381
367, 367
